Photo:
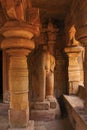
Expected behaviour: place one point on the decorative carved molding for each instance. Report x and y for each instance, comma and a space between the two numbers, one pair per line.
21, 11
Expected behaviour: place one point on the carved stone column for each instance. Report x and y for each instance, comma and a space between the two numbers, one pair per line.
18, 45
73, 53
18, 88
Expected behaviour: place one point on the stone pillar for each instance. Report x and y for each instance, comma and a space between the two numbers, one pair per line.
73, 53
18, 45
18, 88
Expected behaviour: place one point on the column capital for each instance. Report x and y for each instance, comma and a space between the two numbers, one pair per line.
17, 35
19, 29
17, 43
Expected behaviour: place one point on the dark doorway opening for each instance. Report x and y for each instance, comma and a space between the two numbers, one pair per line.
1, 82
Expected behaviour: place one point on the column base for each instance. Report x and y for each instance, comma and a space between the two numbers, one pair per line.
47, 110
18, 119
30, 127
53, 102
45, 105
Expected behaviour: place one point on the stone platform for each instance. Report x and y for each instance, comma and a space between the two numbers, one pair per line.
76, 112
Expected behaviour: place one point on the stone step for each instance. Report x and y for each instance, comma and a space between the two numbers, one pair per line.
43, 115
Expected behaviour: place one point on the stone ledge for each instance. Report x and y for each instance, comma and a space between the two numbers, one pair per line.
76, 112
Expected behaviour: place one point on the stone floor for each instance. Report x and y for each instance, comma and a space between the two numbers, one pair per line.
60, 124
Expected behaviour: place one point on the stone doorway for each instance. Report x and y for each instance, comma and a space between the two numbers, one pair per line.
1, 82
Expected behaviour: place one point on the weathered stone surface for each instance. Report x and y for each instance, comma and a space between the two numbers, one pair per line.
18, 119
18, 76
77, 18
62, 124
53, 101
42, 83
42, 115
53, 104
46, 114
74, 73
76, 112
30, 127
38, 75
39, 125
45, 105
82, 92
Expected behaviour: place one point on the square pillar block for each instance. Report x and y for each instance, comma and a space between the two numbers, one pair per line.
18, 119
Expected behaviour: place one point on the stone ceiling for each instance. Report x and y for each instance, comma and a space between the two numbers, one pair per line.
53, 8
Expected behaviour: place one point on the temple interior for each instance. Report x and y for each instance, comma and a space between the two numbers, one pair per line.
43, 65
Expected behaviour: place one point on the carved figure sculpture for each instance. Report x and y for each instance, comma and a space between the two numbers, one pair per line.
43, 73
72, 40
48, 61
